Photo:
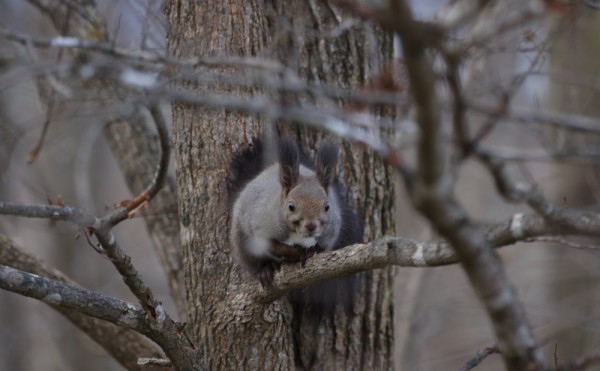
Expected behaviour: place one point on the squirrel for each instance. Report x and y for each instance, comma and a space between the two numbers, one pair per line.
287, 211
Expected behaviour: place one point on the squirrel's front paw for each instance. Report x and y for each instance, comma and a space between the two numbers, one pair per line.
267, 274
309, 253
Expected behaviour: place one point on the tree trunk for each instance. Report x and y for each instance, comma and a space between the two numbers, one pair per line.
230, 330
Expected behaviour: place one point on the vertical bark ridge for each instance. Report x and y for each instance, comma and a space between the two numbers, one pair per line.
230, 330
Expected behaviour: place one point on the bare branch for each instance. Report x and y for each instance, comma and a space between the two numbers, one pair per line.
573, 122
275, 76
154, 362
432, 195
136, 149
34, 153
124, 345
165, 151
74, 215
58, 293
455, 14
140, 56
518, 191
564, 242
60, 13
405, 252
101, 228
508, 24
109, 244
131, 277
479, 357
165, 332
131, 206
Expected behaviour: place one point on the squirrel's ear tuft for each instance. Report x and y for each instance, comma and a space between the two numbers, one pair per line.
289, 164
326, 163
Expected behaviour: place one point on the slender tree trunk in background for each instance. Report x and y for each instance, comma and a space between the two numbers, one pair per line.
230, 330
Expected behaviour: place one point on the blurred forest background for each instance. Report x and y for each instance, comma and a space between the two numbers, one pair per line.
439, 322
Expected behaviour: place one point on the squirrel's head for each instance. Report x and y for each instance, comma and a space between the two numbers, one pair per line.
306, 199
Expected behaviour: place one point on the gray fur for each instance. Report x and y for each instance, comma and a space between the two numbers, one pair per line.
261, 213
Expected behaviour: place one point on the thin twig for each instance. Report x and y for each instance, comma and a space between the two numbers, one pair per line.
33, 154
518, 192
572, 122
143, 56
581, 364
479, 357
77, 216
130, 207
153, 362
563, 242
291, 82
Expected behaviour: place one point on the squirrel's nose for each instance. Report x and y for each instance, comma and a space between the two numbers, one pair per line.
311, 226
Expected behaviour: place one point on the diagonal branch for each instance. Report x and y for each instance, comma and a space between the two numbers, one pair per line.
101, 227
164, 332
124, 345
68, 296
432, 195
136, 149
131, 277
109, 244
479, 357
128, 208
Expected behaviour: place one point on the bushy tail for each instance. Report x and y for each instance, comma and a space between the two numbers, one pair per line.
245, 166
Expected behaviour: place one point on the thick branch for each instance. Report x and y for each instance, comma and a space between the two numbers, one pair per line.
107, 240
404, 252
166, 333
124, 345
58, 293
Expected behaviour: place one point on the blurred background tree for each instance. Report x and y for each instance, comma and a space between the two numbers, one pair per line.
90, 139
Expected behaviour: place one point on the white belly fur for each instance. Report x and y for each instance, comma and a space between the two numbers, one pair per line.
296, 239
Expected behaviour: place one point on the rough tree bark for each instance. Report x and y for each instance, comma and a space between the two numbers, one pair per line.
230, 329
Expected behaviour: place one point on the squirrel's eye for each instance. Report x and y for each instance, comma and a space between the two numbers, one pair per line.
326, 206
292, 207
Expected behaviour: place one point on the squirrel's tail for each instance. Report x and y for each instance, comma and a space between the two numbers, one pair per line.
245, 166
